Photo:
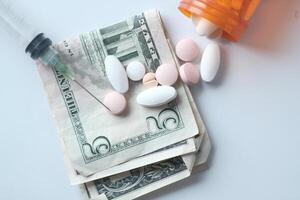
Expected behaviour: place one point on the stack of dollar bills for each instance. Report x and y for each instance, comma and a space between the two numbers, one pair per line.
127, 156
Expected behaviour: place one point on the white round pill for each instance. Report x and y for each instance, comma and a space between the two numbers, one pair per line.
135, 71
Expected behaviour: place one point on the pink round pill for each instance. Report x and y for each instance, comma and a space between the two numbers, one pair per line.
166, 74
115, 102
149, 80
189, 74
187, 49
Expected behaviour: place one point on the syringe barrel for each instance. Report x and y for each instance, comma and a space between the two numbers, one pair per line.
17, 25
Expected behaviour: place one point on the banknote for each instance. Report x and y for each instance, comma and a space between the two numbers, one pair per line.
201, 161
93, 139
138, 182
180, 148
141, 181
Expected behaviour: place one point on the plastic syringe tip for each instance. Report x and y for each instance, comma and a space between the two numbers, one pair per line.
50, 57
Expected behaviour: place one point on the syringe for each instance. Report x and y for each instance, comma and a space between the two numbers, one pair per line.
37, 45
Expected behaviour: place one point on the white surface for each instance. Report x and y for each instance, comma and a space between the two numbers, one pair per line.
251, 110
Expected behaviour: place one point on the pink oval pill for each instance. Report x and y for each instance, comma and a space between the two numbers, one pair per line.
187, 49
189, 74
166, 74
115, 102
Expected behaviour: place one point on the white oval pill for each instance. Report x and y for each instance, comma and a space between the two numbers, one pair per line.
115, 102
135, 70
116, 74
156, 96
210, 62
187, 49
203, 26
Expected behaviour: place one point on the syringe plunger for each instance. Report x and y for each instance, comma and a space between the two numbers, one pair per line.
17, 24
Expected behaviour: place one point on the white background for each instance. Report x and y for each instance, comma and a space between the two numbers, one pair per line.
251, 110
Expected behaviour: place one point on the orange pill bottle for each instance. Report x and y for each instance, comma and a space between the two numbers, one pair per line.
232, 16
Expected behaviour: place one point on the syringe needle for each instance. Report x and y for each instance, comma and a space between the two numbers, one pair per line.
90, 94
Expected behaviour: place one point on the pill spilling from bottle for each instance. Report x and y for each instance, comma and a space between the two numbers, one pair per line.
222, 18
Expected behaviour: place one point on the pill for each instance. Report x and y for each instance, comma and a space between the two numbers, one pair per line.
156, 96
135, 71
115, 102
210, 62
116, 74
166, 74
203, 26
189, 74
149, 80
216, 35
187, 49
